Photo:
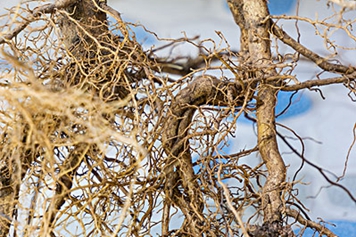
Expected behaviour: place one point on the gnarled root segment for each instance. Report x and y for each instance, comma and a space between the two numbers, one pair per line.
182, 187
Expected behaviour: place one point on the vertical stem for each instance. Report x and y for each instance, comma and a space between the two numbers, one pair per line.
250, 16
271, 199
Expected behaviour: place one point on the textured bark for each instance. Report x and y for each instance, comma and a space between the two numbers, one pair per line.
179, 168
96, 52
250, 16
82, 26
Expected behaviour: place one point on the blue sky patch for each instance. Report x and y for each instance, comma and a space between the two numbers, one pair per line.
279, 7
142, 36
340, 228
299, 104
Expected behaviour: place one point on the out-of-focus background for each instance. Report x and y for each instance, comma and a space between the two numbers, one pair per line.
326, 124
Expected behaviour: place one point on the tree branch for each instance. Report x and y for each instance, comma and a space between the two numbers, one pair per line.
321, 229
47, 8
50, 8
322, 82
318, 60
